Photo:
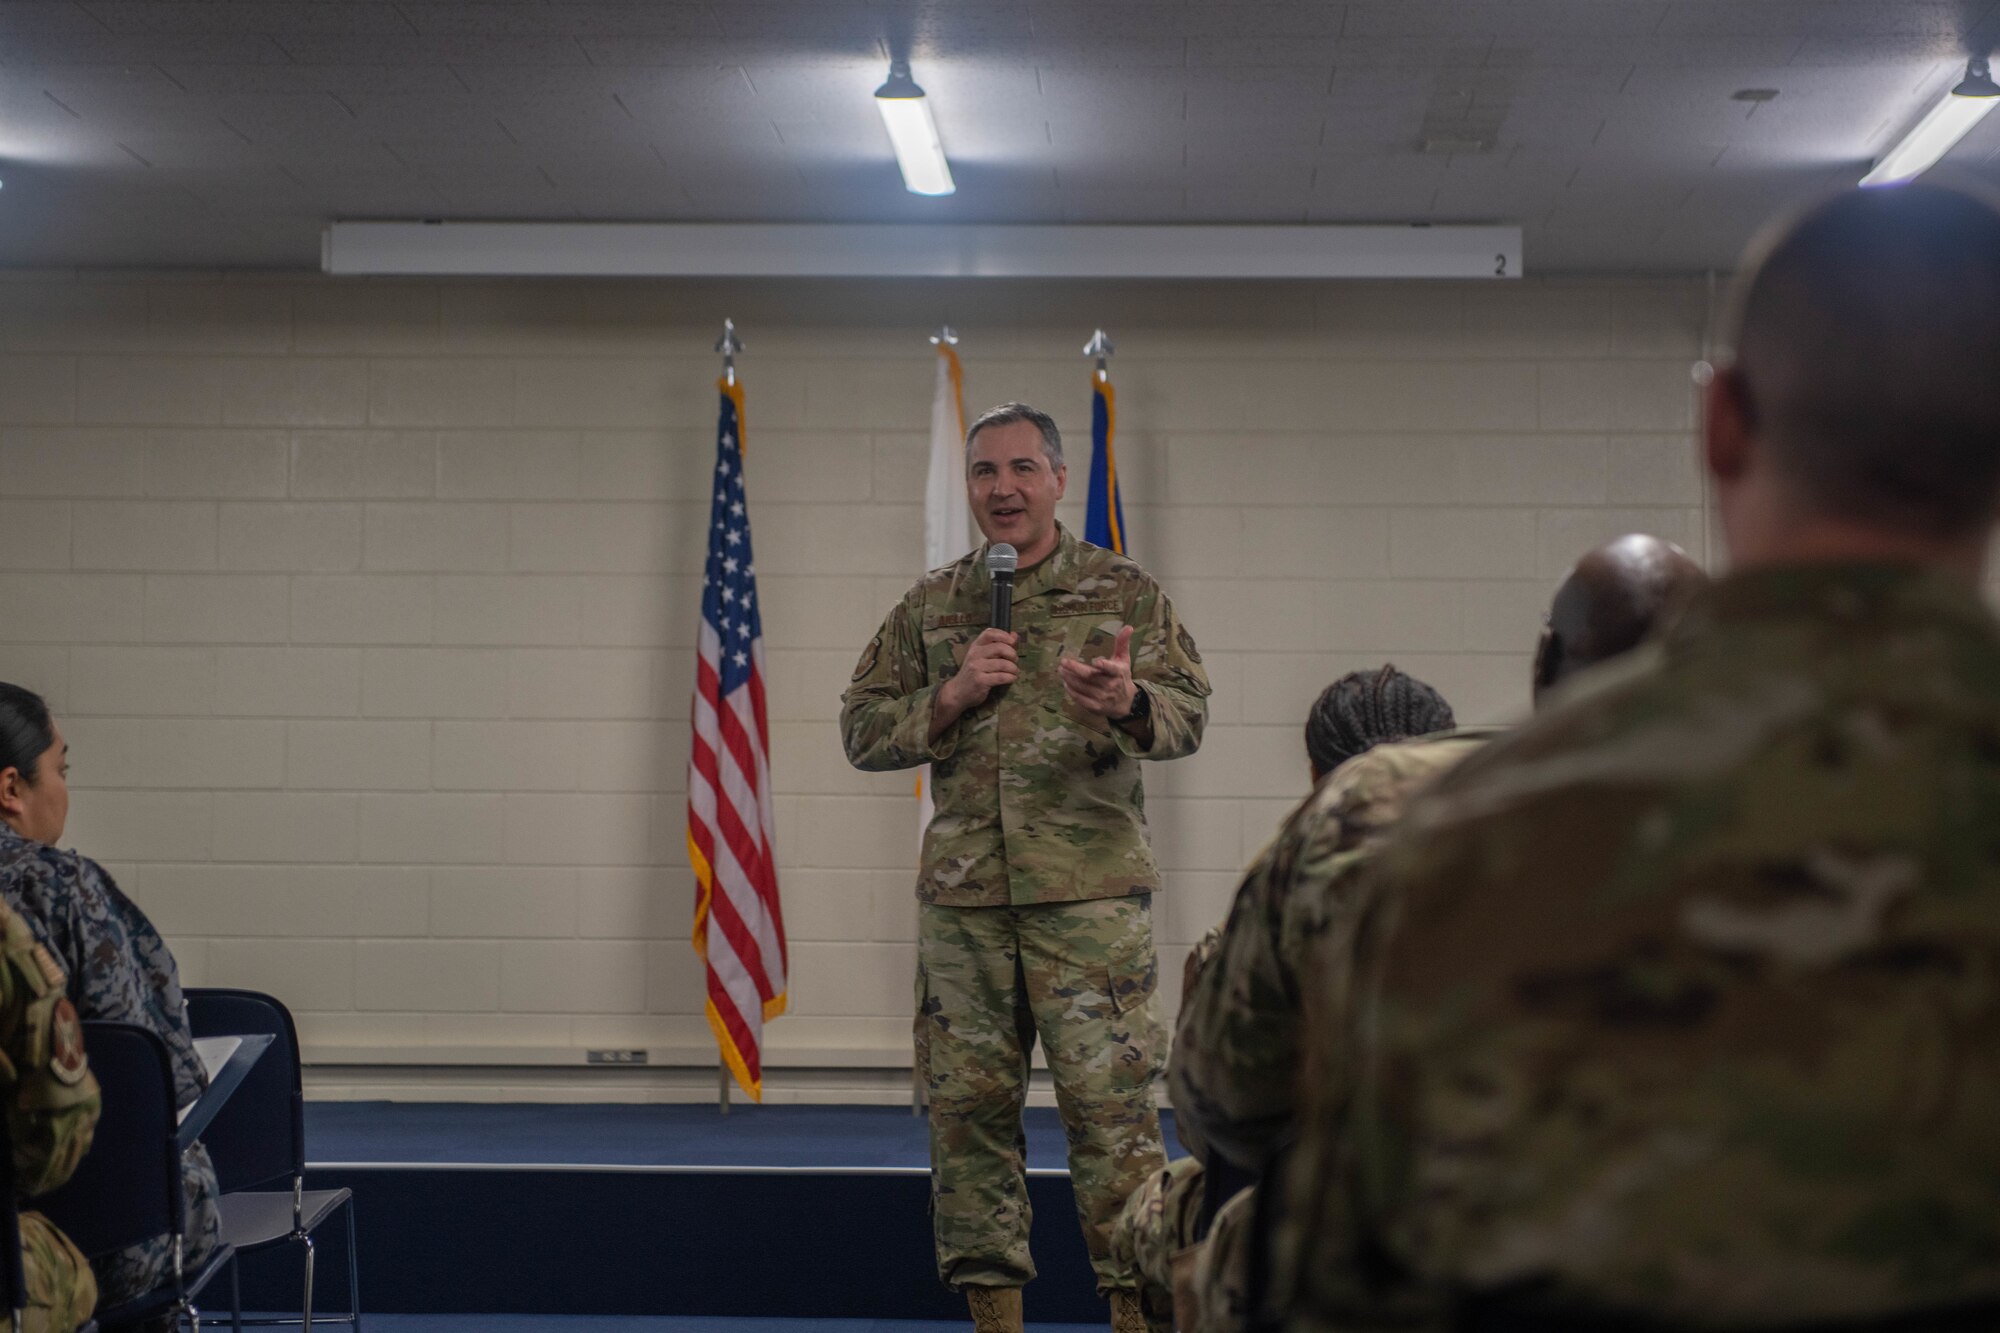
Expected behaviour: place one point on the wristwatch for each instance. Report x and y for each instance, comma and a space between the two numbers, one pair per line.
1142, 707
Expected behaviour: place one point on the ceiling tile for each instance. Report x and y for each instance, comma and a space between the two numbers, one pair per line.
712, 51
1506, 21
1089, 203
1116, 97
45, 16
1261, 51
276, 18
830, 23
392, 80
493, 154
1122, 20
459, 49
34, 49
1282, 18
1868, 49
446, 116
568, 20
1419, 53
1698, 50
1112, 53
1247, 200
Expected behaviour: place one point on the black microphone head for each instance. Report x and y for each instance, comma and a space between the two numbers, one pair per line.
1002, 560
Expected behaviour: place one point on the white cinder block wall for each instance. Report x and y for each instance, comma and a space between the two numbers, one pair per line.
368, 608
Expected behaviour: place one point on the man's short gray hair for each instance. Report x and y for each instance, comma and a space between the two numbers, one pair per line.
1007, 414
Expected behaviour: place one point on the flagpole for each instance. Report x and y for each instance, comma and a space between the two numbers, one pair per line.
1100, 347
1104, 516
728, 345
947, 531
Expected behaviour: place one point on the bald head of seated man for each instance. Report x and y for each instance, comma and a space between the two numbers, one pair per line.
1675, 1009
1610, 602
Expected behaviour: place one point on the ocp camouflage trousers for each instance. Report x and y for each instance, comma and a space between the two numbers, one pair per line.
990, 981
1158, 1222
1222, 1272
1155, 1232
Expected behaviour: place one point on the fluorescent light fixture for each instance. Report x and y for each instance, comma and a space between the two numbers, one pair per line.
916, 250
1943, 126
906, 113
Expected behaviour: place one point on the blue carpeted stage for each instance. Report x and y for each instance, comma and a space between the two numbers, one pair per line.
784, 1213
443, 1323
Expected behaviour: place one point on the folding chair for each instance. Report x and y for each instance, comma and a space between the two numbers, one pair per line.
259, 1137
129, 1188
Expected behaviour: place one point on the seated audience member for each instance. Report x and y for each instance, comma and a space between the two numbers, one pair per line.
1164, 1216
118, 966
51, 1104
1676, 1009
1238, 1046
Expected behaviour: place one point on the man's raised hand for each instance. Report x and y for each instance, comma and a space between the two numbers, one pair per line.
1103, 687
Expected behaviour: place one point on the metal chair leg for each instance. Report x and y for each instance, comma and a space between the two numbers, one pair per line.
353, 1273
306, 1310
236, 1293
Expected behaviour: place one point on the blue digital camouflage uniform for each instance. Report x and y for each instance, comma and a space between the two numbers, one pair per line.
1680, 1004
1035, 886
119, 969
51, 1106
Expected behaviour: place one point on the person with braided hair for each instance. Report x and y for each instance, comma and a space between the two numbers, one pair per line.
1355, 713
1364, 709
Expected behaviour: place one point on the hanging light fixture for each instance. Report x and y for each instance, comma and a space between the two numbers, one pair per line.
1943, 126
906, 113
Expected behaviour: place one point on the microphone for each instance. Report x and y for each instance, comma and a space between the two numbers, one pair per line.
1001, 561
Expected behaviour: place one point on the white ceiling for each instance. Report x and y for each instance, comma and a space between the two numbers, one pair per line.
162, 132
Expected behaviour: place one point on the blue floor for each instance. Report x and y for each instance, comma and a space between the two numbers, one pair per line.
619, 1135
677, 1323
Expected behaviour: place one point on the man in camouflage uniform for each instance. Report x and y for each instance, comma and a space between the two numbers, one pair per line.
1237, 1048
1037, 878
1676, 1008
51, 1105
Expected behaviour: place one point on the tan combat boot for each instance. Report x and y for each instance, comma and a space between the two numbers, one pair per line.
994, 1309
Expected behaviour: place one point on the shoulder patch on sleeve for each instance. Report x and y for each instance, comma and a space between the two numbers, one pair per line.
1186, 641
869, 657
66, 1056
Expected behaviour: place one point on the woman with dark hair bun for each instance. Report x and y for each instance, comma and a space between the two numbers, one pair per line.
119, 968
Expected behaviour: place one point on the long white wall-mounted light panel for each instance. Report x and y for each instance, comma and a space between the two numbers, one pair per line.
901, 250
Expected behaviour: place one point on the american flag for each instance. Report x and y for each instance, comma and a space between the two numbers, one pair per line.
739, 929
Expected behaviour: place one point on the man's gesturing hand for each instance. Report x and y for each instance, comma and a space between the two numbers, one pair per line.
1103, 687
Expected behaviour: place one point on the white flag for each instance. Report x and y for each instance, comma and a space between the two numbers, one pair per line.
947, 517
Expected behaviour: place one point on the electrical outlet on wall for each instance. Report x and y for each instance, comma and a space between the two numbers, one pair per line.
615, 1057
